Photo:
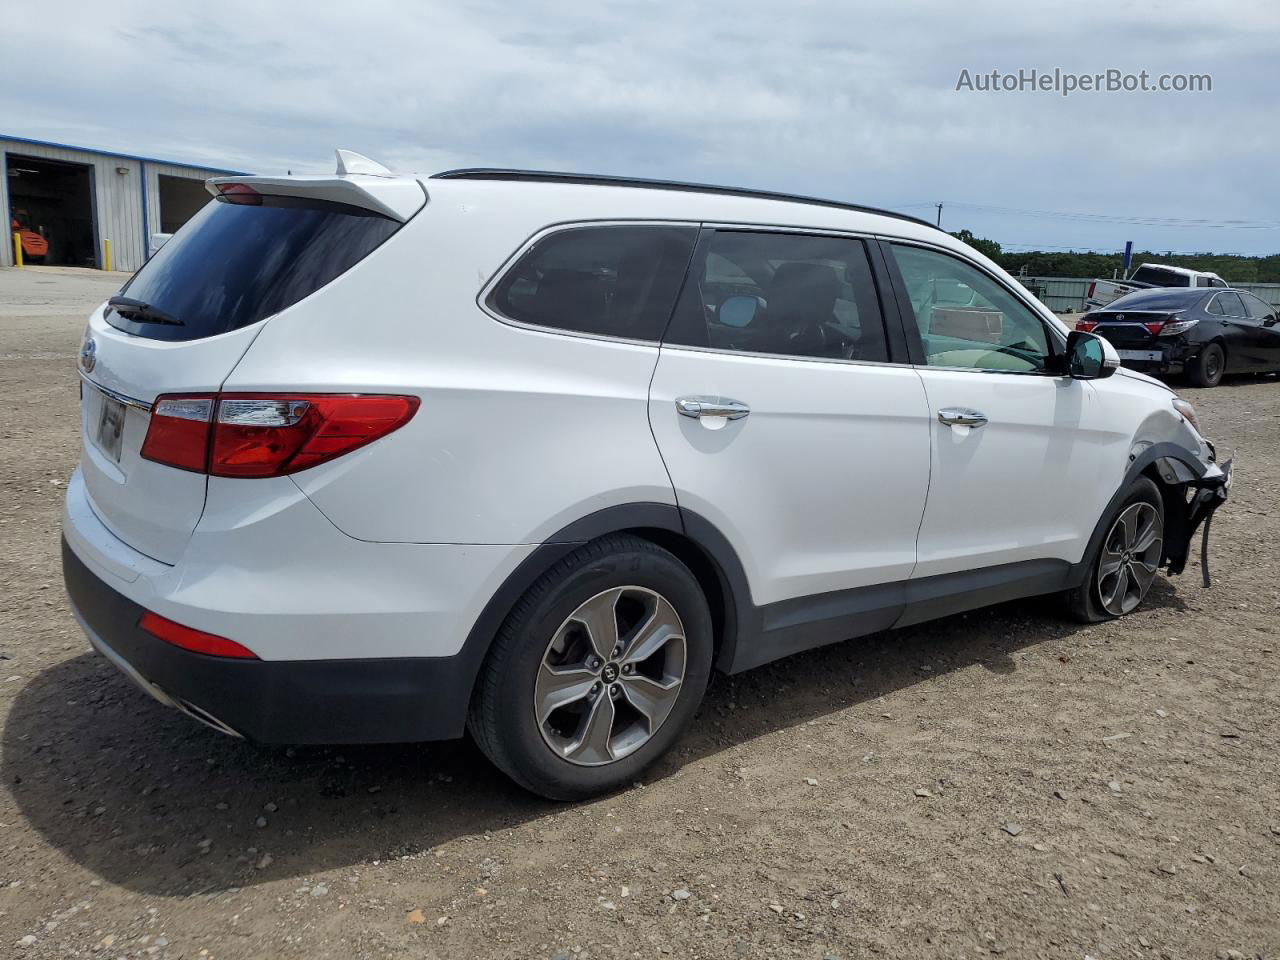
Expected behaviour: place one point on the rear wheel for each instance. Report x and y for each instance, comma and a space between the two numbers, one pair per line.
1124, 563
596, 672
1206, 369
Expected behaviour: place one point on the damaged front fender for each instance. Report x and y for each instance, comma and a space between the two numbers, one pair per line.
1189, 502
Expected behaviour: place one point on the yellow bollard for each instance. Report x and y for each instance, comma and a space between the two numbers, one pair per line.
106, 254
17, 249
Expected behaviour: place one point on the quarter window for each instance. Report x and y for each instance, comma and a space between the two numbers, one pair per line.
785, 294
614, 281
967, 319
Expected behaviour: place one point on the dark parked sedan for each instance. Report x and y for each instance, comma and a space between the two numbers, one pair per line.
1201, 332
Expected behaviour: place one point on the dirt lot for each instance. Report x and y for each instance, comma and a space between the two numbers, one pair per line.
998, 783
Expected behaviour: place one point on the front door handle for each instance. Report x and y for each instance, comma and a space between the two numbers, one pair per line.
961, 417
711, 407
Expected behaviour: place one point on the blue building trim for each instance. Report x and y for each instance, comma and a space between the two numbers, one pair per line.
122, 156
146, 227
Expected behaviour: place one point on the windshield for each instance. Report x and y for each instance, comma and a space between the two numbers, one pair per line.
236, 263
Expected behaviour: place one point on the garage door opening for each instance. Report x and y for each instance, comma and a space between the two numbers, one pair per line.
180, 200
54, 200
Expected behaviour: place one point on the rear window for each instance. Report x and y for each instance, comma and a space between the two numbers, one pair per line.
1160, 299
1160, 278
612, 281
234, 264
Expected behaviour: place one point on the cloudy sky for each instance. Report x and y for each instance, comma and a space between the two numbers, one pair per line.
856, 101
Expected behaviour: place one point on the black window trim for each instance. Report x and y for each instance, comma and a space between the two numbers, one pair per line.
1056, 336
895, 344
564, 226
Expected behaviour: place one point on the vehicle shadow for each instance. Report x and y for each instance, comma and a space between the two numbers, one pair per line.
146, 798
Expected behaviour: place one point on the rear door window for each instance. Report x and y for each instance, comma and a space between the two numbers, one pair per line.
785, 294
239, 261
609, 280
1229, 304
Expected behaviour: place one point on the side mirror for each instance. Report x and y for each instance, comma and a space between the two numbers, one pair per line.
1090, 357
738, 311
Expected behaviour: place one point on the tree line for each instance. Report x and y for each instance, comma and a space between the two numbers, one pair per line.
1043, 263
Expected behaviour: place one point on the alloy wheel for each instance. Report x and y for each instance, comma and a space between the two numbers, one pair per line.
610, 676
1130, 558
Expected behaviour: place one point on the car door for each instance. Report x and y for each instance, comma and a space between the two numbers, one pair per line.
1017, 447
1242, 336
1264, 320
782, 422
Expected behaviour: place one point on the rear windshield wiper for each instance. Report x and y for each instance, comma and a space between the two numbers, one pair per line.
142, 312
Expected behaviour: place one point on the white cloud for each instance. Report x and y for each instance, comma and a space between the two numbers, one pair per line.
842, 99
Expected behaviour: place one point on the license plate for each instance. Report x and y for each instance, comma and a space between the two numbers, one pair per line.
111, 427
1155, 355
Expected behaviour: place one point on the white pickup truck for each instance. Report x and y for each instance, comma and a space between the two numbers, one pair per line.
1102, 292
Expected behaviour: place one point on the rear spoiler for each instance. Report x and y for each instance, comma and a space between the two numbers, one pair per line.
359, 182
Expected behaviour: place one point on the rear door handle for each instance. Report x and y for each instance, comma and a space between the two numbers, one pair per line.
711, 407
961, 417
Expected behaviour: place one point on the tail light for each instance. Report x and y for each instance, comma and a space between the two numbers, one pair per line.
1085, 325
1154, 328
1173, 327
1092, 287
268, 435
189, 638
179, 432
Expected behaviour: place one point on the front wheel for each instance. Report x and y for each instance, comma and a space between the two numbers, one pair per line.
596, 672
1124, 563
1206, 370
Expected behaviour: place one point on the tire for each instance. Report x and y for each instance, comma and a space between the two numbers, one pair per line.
545, 654
1104, 595
1207, 368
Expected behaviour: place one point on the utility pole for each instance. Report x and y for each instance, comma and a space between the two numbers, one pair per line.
939, 206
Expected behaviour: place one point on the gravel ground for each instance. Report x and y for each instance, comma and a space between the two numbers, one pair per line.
1003, 782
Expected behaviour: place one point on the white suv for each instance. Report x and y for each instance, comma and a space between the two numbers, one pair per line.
378, 458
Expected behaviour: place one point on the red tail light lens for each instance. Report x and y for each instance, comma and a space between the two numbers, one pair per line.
179, 432
197, 641
1086, 326
268, 435
1154, 328
1092, 287
273, 435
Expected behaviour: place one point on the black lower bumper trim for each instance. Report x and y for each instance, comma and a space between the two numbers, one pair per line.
386, 700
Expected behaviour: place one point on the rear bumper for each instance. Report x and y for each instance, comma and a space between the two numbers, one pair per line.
382, 700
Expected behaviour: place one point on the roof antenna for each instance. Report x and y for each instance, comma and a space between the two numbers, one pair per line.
350, 162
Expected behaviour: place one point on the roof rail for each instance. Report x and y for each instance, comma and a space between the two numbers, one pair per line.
596, 179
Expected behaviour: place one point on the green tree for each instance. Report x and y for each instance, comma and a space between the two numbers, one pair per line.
988, 248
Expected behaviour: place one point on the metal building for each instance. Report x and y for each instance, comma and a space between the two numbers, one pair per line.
90, 205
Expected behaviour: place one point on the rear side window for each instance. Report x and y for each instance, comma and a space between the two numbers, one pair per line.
785, 294
235, 263
1229, 304
610, 281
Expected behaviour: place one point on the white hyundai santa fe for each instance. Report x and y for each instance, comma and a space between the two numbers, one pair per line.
372, 457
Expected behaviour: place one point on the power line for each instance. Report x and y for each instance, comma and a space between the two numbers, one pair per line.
1132, 220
